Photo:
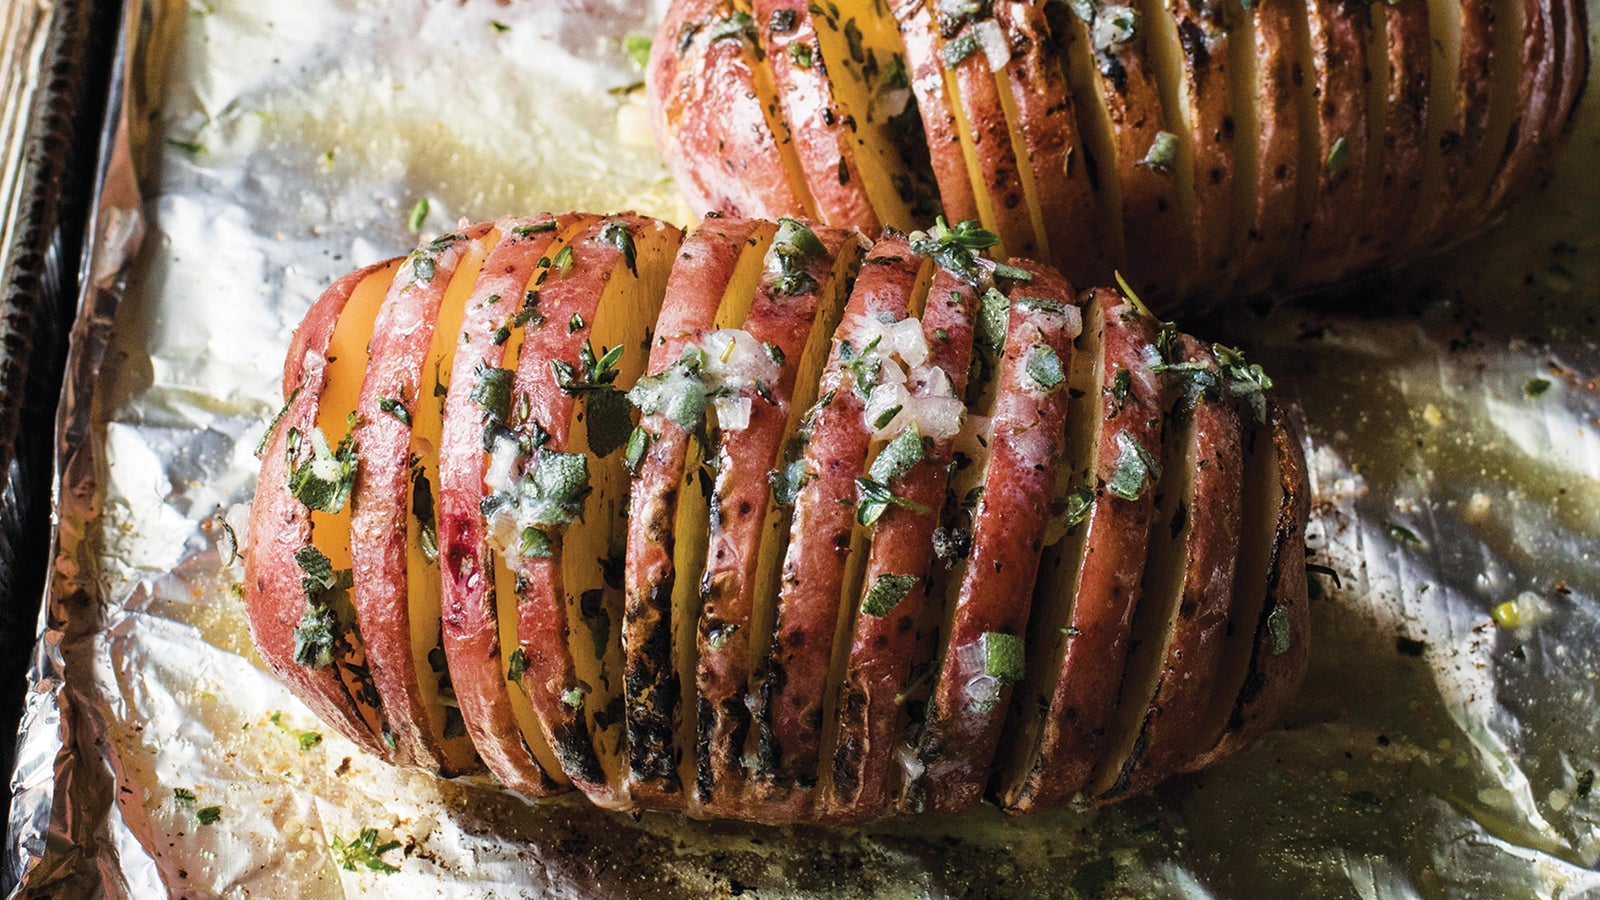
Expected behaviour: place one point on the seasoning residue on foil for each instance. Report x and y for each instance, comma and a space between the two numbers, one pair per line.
1445, 743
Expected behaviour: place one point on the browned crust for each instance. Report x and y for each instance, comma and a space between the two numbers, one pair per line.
280, 524
956, 191
824, 136
884, 650
715, 119
1536, 96
1281, 649
700, 276
773, 790
1048, 124
1108, 588
1199, 633
958, 739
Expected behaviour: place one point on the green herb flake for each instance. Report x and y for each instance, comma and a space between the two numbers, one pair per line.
183, 795
535, 228
1078, 505
800, 54
787, 481
1337, 156
638, 444
954, 52
572, 698
637, 48
190, 147
1403, 535
739, 25
492, 393
954, 247
422, 509
1163, 154
208, 815
1135, 469
774, 353
993, 315
1002, 656
886, 593
563, 260
898, 457
1040, 304
395, 408
323, 482
795, 245
1278, 628
364, 852
618, 235
516, 665
1044, 368
1536, 387
1001, 270
873, 499
418, 214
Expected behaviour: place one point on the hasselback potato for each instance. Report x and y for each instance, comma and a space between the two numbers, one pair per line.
770, 522
1209, 149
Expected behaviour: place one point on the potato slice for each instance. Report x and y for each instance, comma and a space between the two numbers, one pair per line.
1405, 134
558, 485
845, 92
826, 550
1192, 621
1285, 120
1050, 152
1158, 242
1281, 645
1444, 122
1089, 582
301, 621
894, 621
1463, 46
712, 98
1536, 60
1070, 43
987, 595
712, 286
786, 335
1507, 72
959, 193
1338, 46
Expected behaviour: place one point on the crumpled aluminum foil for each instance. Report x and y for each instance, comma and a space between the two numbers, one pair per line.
1453, 415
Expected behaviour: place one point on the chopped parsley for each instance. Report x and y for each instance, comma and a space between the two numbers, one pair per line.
993, 313
418, 214
492, 392
535, 544
739, 25
637, 47
364, 851
794, 246
638, 444
1536, 387
618, 235
787, 481
323, 482
1163, 154
959, 49
516, 665
873, 499
1337, 155
395, 408
208, 815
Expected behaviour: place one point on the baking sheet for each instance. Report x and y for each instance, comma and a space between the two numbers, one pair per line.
1453, 414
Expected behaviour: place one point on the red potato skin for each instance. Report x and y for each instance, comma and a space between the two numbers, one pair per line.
1405, 137
380, 500
1279, 74
1282, 645
728, 593
1028, 439
820, 535
708, 103
884, 649
1462, 138
1208, 92
979, 97
1109, 585
1193, 657
1338, 50
471, 633
1535, 97
823, 136
280, 524
542, 628
917, 29
700, 275
1049, 129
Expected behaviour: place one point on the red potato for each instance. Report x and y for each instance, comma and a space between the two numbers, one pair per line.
1090, 584
1187, 630
1461, 135
712, 285
1207, 93
1281, 647
1051, 152
1338, 34
1405, 137
1536, 86
1279, 212
602, 297
711, 97
276, 601
957, 193
745, 546
884, 649
981, 653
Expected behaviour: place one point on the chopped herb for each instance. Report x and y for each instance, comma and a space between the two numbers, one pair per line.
364, 851
572, 698
800, 54
208, 815
535, 228
558, 486
874, 499
887, 416
959, 49
787, 481
738, 25
422, 508
1079, 502
1135, 468
575, 323
1001, 270
183, 795
563, 260
898, 457
418, 214
492, 393
516, 665
1044, 368
852, 38
1002, 656
1278, 627
638, 444
323, 481
1244, 380
954, 246
272, 426
1040, 304
951, 544
1404, 535
395, 408
1163, 154
189, 147
618, 235
637, 47
1336, 156
795, 245
1585, 784
306, 739
886, 593
993, 314
774, 353
1536, 387
1121, 386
